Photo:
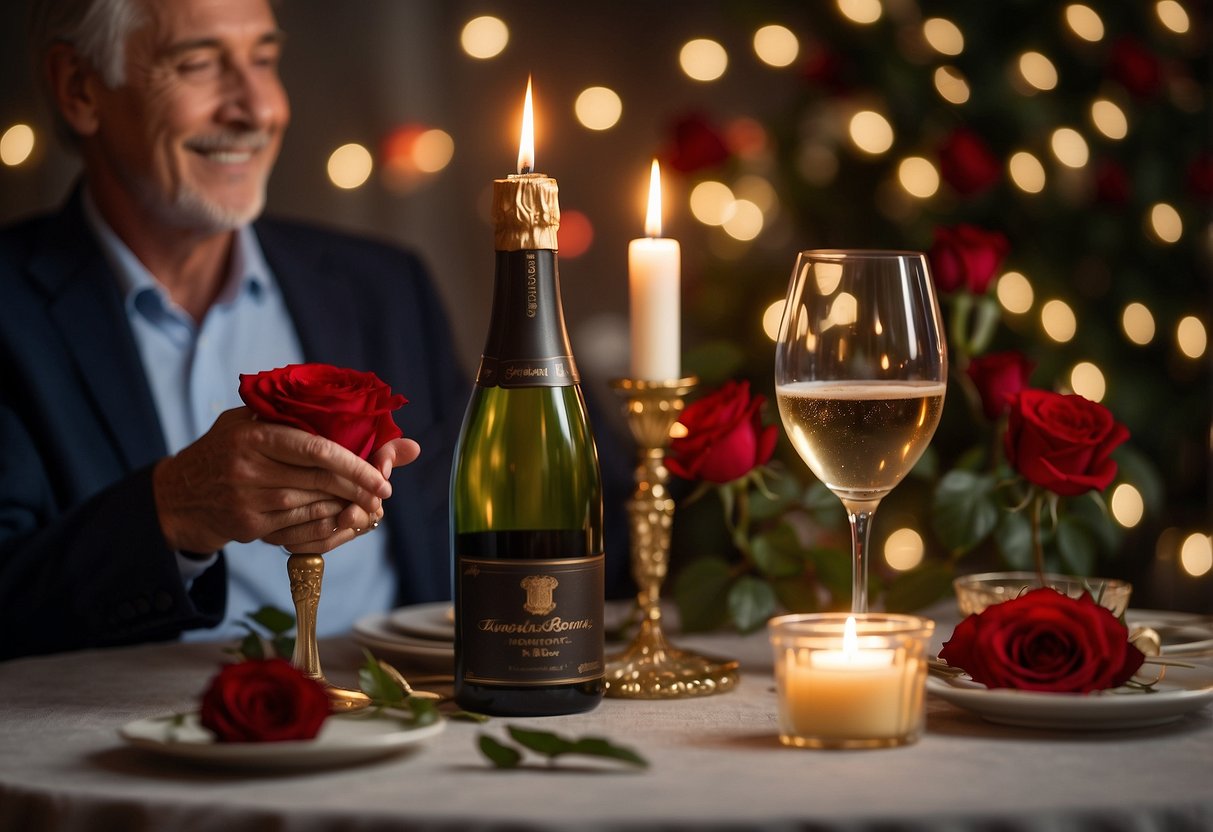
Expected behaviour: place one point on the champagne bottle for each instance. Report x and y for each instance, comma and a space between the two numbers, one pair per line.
526, 496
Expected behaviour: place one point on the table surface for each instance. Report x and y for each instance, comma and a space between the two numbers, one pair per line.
716, 763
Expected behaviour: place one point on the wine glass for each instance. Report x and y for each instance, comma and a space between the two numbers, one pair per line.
860, 373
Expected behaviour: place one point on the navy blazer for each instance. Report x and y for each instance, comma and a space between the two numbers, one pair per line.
83, 562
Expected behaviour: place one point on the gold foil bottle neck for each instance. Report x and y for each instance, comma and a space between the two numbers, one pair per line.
526, 213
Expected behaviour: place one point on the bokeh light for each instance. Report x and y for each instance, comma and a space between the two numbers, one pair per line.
772, 317
1196, 554
745, 222
1109, 119
1173, 16
433, 150
1014, 292
943, 36
1069, 147
758, 190
871, 132
484, 37
575, 235
918, 177
776, 45
861, 11
1165, 223
350, 165
1038, 71
1088, 381
598, 108
712, 202
903, 549
1191, 336
1027, 172
16, 144
412, 152
951, 85
1084, 22
703, 59
1138, 323
1058, 321
1127, 505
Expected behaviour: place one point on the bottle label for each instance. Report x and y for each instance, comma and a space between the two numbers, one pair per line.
528, 345
531, 622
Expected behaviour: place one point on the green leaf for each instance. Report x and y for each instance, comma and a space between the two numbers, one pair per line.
778, 553
1076, 546
600, 747
378, 684
1013, 536
274, 620
542, 742
700, 591
553, 745
502, 756
751, 603
824, 505
251, 648
468, 716
781, 491
919, 587
964, 510
424, 711
284, 646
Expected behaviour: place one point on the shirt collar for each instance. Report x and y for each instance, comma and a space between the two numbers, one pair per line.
248, 272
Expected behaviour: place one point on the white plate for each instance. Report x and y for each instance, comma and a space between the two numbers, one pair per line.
1180, 632
1182, 690
433, 621
343, 739
376, 633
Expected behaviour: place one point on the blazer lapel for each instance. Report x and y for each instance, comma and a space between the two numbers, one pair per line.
86, 309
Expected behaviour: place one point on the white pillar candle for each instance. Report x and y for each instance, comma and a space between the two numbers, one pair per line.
654, 275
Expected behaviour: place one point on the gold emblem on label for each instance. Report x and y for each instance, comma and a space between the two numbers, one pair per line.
539, 589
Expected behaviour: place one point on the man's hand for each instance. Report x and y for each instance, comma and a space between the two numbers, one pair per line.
246, 479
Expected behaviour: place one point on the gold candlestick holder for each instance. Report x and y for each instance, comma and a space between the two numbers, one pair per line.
307, 573
650, 668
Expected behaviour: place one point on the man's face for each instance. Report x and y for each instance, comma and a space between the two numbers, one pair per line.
194, 131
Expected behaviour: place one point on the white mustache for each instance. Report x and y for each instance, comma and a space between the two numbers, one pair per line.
252, 140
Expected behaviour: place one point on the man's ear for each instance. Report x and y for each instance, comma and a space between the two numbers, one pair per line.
73, 85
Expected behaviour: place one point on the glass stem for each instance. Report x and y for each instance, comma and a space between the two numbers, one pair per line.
860, 515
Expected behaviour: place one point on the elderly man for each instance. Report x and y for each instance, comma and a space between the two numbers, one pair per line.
138, 500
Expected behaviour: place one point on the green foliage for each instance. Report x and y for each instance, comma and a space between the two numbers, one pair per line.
267, 635
554, 746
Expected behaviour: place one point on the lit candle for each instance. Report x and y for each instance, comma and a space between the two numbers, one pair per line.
526, 207
654, 266
855, 693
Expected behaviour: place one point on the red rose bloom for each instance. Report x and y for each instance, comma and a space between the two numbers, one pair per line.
966, 257
263, 701
1062, 443
697, 145
1044, 641
1135, 67
351, 408
998, 376
967, 163
725, 438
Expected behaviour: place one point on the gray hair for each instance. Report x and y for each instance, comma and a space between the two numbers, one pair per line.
98, 29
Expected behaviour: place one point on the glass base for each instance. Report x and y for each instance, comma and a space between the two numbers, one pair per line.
794, 741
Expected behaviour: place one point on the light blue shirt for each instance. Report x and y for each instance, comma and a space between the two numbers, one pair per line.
194, 371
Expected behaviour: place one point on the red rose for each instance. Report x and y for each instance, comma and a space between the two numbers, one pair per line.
967, 163
1046, 641
263, 700
725, 438
1135, 67
1062, 443
697, 145
998, 376
351, 408
965, 256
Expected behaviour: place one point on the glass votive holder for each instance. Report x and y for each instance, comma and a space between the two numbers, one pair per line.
850, 680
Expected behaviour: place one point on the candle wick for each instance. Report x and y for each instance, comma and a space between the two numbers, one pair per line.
526, 169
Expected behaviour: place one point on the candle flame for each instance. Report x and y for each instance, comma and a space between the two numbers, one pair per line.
526, 145
850, 640
652, 219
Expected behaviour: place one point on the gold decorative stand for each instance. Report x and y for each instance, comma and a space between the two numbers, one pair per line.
650, 668
306, 573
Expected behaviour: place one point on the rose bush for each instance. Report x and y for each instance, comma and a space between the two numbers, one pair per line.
966, 257
1044, 641
725, 438
264, 700
1062, 442
997, 377
352, 408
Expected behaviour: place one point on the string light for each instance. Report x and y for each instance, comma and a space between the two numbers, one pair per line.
951, 85
349, 166
1196, 554
16, 144
703, 59
598, 108
1014, 292
1027, 172
772, 317
712, 203
1038, 71
759, 191
1191, 336
1165, 223
776, 46
1084, 22
861, 11
1088, 381
1109, 119
1069, 147
1058, 321
903, 549
1173, 16
918, 177
1127, 505
746, 221
871, 132
484, 37
1138, 323
943, 36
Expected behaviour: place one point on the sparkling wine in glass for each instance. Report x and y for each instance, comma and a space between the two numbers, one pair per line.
860, 374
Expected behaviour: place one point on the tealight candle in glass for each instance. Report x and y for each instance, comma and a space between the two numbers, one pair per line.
850, 680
